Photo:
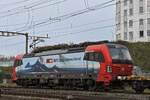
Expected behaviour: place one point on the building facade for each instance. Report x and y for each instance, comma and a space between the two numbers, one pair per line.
133, 20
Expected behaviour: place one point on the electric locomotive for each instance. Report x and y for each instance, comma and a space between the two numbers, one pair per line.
93, 67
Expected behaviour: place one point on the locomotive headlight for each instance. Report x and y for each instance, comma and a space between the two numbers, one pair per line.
119, 77
109, 69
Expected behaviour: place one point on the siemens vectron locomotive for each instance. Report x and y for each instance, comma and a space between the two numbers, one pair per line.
94, 67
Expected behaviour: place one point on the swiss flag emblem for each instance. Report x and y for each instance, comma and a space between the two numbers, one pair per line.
49, 60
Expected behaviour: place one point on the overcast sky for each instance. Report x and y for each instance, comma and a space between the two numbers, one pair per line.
31, 16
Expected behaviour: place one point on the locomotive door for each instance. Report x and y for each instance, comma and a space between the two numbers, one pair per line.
93, 66
90, 62
90, 66
93, 60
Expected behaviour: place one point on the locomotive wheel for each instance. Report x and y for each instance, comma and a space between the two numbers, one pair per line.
91, 85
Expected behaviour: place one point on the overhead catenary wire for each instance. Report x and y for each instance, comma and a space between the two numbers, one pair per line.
14, 3
61, 18
79, 26
86, 30
87, 24
106, 2
92, 9
99, 21
68, 34
17, 8
43, 19
55, 18
81, 31
91, 29
36, 3
24, 26
70, 15
9, 25
18, 24
24, 9
23, 23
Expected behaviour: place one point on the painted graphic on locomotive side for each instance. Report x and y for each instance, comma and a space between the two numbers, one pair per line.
57, 63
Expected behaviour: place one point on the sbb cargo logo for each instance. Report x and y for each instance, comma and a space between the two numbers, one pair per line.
49, 60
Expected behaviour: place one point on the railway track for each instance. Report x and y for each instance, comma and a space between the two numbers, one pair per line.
71, 95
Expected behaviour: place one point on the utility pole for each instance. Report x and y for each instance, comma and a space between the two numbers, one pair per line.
26, 43
10, 34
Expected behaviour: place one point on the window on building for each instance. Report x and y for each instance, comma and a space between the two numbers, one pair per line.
148, 5
125, 25
148, 9
131, 11
130, 36
125, 12
118, 18
125, 2
131, 1
148, 21
141, 0
141, 10
118, 26
125, 36
148, 32
141, 34
141, 22
130, 23
118, 36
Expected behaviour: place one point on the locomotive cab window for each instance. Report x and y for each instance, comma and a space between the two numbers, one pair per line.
120, 54
94, 56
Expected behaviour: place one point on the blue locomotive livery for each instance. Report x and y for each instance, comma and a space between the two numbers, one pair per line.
57, 63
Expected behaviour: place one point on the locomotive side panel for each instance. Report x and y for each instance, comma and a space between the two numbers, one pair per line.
57, 63
56, 69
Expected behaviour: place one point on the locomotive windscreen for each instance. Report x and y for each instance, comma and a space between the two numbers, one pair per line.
120, 54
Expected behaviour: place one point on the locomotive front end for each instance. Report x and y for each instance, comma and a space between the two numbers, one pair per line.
114, 60
121, 62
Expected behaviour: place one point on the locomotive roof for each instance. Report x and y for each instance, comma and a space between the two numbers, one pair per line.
66, 46
111, 45
54, 52
62, 49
